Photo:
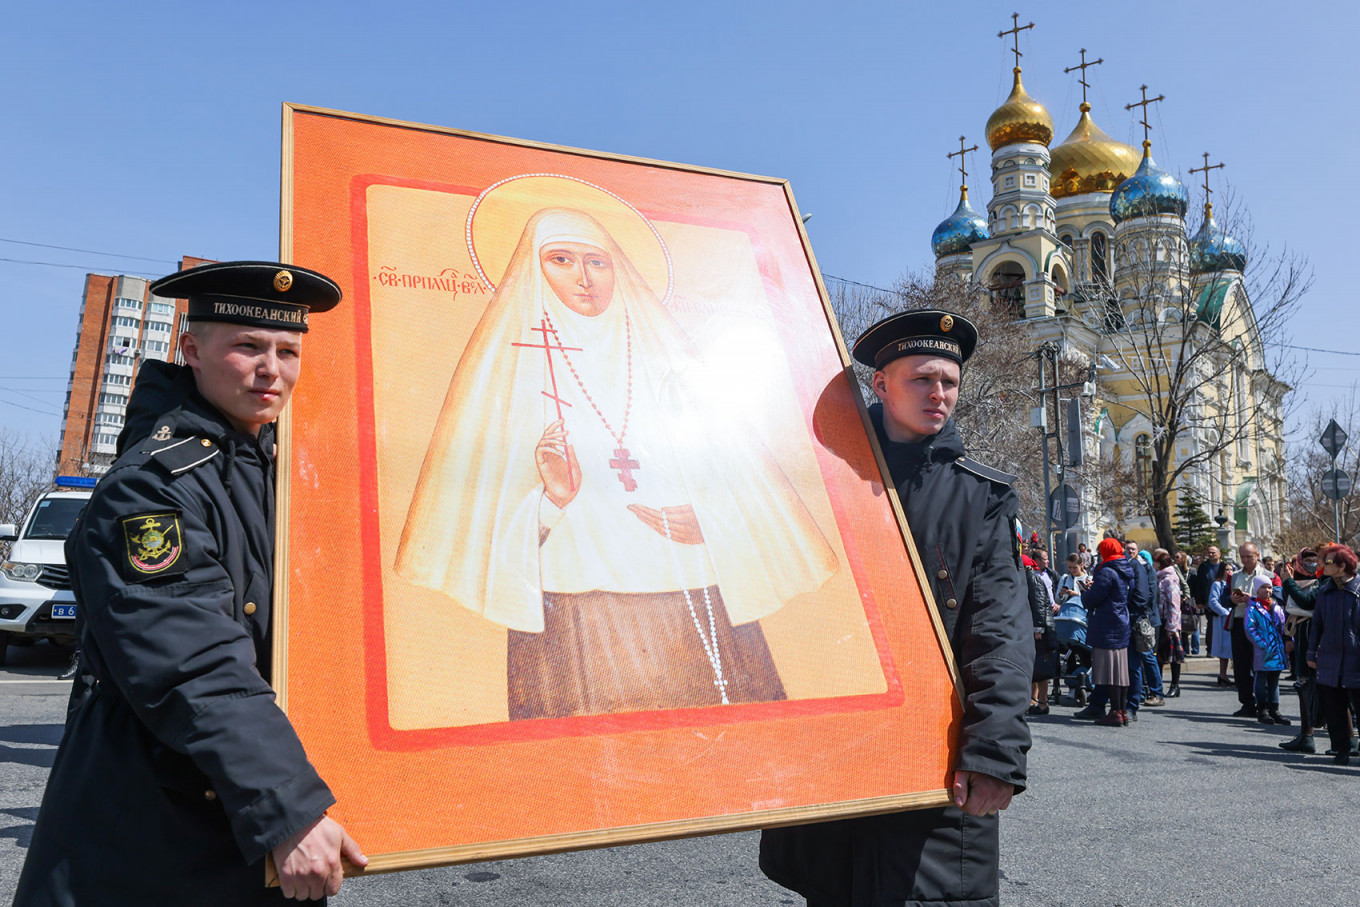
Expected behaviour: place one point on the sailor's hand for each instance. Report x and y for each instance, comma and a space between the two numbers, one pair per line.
981, 795
309, 863
679, 524
557, 465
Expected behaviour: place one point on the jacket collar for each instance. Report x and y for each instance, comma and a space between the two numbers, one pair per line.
166, 397
943, 446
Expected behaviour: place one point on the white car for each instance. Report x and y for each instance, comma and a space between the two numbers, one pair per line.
35, 587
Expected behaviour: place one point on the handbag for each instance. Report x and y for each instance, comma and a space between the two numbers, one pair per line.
1189, 622
1045, 665
1294, 622
1144, 636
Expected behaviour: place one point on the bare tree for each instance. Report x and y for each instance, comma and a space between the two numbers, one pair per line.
26, 471
1311, 515
1201, 358
1000, 383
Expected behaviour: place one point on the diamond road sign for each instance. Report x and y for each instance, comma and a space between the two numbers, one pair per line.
1333, 438
1336, 484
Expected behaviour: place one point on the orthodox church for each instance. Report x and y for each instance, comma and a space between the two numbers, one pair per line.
1085, 243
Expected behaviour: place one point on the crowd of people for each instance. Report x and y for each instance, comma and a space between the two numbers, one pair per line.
1121, 619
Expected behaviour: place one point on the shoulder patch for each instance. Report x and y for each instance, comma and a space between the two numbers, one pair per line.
985, 472
153, 545
182, 454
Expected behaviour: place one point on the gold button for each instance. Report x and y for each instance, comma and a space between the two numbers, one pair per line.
943, 574
210, 795
205, 442
951, 604
250, 608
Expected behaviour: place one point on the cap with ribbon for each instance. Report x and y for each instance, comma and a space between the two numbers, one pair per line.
929, 332
266, 294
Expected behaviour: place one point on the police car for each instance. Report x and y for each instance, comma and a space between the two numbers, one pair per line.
35, 587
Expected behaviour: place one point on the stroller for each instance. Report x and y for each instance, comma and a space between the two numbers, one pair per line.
1074, 660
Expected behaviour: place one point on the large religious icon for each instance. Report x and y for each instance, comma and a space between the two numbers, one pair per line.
629, 547
587, 540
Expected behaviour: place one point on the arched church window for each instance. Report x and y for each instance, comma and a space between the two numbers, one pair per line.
1142, 465
1114, 314
1060, 283
1008, 289
1100, 265
1066, 240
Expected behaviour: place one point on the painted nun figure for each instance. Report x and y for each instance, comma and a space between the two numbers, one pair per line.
574, 493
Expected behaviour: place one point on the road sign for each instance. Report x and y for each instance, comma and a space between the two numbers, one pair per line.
1336, 484
1064, 494
1333, 438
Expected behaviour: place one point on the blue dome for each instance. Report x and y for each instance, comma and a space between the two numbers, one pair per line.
1149, 191
959, 230
1214, 250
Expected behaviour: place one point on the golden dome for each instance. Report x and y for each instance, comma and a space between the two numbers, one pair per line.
1020, 119
1088, 160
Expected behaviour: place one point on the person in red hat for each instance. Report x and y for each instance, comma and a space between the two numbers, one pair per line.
1107, 630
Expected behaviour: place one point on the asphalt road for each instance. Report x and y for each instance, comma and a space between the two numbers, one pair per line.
1188, 806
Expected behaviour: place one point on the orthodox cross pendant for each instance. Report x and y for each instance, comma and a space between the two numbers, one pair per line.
625, 466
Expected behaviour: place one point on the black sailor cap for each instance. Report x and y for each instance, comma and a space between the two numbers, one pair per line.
920, 332
265, 294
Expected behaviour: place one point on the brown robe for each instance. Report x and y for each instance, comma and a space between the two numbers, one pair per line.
603, 652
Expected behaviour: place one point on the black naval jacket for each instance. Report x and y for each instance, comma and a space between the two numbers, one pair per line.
177, 773
962, 518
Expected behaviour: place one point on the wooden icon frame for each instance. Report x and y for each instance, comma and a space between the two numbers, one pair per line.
392, 686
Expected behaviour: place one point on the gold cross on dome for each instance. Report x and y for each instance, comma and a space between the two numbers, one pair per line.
1082, 78
1205, 170
1147, 127
1015, 30
960, 155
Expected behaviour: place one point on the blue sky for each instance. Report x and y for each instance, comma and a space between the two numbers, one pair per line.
152, 129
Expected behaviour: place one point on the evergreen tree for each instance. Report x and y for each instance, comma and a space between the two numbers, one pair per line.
1194, 530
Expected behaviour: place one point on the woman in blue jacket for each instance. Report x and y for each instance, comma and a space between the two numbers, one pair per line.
1334, 646
1107, 629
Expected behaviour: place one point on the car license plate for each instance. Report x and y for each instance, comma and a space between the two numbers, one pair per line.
63, 612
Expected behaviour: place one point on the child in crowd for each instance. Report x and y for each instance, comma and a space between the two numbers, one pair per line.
1264, 623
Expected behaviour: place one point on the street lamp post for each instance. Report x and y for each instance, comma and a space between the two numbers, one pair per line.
1062, 505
